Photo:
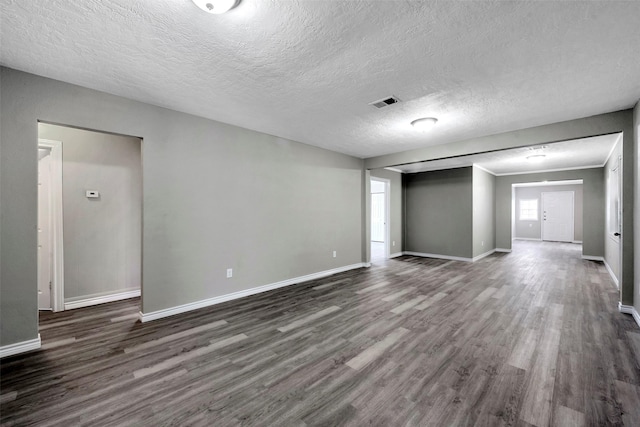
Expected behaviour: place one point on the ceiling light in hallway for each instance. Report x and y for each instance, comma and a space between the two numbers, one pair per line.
536, 157
216, 6
424, 123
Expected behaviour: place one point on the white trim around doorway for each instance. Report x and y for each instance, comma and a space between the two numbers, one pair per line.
57, 284
387, 214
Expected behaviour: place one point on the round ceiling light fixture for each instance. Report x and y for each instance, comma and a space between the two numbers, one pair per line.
424, 123
216, 6
536, 157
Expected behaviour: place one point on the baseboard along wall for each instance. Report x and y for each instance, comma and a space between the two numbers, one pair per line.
484, 255
172, 311
613, 276
629, 309
450, 257
86, 302
20, 347
439, 256
606, 264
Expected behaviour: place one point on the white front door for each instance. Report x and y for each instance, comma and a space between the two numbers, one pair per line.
44, 233
557, 216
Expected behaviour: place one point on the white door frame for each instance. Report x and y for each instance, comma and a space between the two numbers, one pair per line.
620, 217
57, 283
542, 211
387, 214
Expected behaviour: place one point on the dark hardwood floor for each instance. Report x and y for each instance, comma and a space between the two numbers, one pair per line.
528, 338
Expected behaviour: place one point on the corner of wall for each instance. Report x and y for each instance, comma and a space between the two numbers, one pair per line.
636, 219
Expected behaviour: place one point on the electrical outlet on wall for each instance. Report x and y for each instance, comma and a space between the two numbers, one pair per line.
229, 272
334, 254
483, 243
394, 243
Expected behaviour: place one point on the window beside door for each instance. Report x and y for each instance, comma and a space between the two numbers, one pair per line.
528, 210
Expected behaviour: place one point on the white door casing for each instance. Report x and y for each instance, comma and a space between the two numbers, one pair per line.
557, 216
56, 299
386, 209
45, 246
618, 213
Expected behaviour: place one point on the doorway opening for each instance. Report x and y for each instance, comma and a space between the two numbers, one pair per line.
89, 217
50, 247
380, 211
613, 214
550, 211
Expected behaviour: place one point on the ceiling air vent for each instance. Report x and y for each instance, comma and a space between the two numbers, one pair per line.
381, 103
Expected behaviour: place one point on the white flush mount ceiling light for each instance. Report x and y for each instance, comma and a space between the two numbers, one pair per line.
424, 123
536, 157
216, 6
535, 153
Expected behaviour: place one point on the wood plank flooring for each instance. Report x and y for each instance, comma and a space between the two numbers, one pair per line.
527, 338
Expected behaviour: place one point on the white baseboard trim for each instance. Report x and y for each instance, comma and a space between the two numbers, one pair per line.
101, 299
629, 309
577, 241
396, 255
503, 250
172, 311
593, 258
449, 257
484, 255
535, 239
613, 276
20, 347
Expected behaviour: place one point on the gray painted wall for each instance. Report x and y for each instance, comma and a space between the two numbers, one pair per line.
533, 229
611, 242
439, 214
215, 196
102, 237
396, 215
484, 204
635, 298
593, 203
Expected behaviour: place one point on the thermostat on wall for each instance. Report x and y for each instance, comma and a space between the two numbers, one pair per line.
92, 194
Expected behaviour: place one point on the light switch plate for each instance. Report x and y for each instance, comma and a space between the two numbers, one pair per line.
92, 194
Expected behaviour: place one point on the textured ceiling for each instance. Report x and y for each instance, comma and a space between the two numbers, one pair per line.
306, 70
573, 154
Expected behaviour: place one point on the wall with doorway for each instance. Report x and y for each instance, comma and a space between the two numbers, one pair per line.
215, 196
601, 124
102, 237
395, 214
612, 217
484, 212
593, 205
439, 214
532, 230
